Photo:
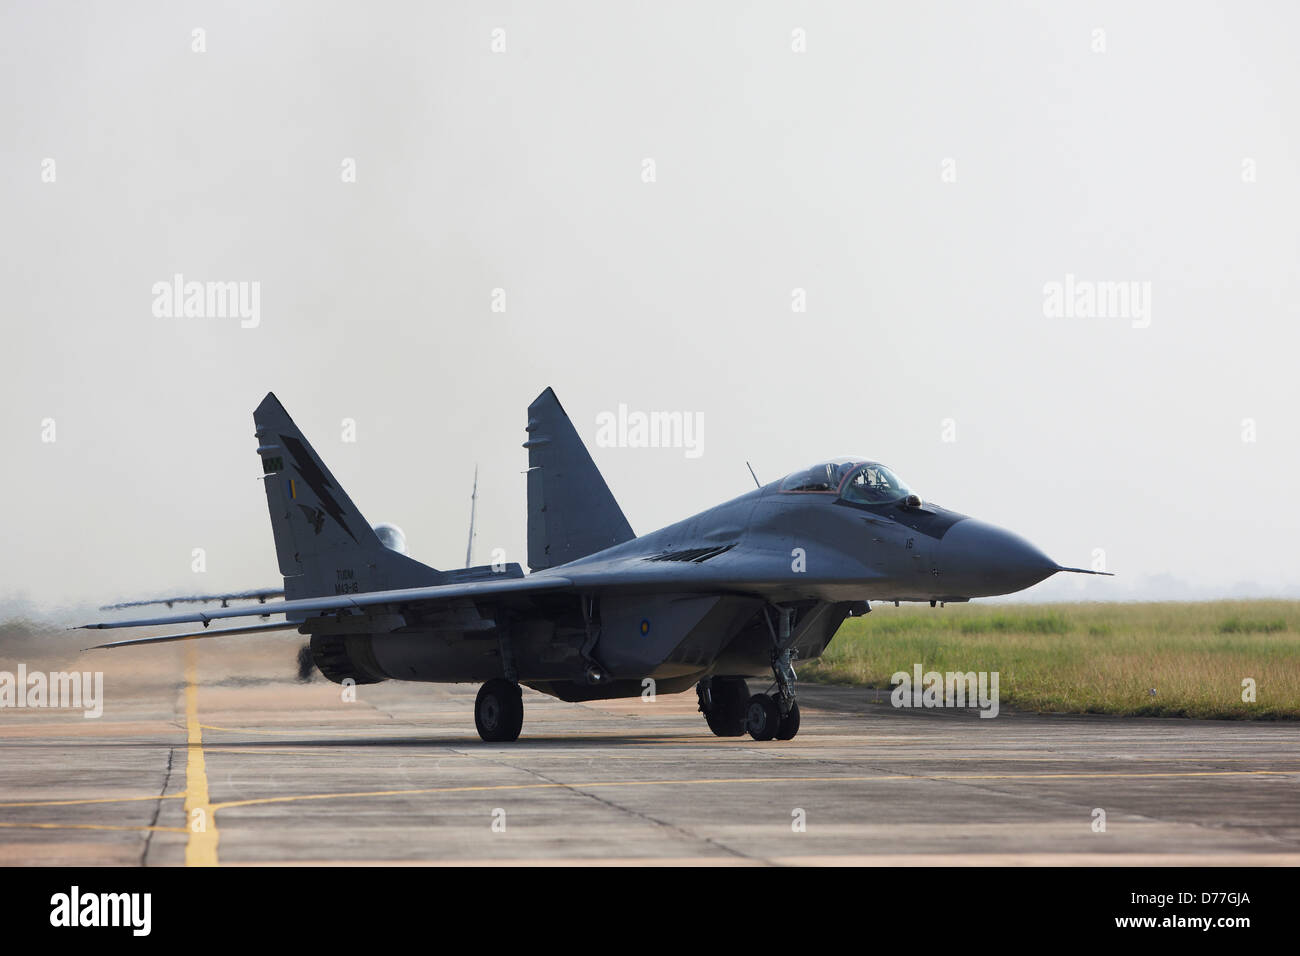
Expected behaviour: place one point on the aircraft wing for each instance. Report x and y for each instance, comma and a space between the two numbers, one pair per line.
764, 574
435, 594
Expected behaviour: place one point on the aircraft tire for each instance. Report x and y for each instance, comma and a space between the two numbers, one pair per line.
762, 717
789, 725
730, 699
499, 711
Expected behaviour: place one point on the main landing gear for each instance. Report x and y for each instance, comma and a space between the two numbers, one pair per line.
499, 711
723, 701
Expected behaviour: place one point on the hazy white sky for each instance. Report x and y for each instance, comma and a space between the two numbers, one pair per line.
921, 171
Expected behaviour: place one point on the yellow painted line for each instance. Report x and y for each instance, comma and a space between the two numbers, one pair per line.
88, 826
78, 803
201, 848
715, 781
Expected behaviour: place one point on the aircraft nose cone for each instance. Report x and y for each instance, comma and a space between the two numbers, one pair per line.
979, 560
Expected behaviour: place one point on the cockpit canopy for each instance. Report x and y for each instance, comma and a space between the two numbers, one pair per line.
855, 480
824, 477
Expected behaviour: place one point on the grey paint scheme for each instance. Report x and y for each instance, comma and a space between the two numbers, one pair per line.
571, 512
603, 609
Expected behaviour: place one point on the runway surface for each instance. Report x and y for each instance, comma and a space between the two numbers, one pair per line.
216, 754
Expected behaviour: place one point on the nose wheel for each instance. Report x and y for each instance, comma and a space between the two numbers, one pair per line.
764, 720
789, 723
762, 717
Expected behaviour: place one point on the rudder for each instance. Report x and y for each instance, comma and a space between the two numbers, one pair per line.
571, 511
323, 544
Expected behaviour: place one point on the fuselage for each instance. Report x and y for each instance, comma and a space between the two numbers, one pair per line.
822, 545
692, 599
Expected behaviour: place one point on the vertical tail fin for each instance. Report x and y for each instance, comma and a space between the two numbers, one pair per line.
322, 542
571, 512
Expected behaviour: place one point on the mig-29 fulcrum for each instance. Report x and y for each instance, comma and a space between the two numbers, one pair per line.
736, 592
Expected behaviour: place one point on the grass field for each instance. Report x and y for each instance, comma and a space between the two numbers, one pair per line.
1088, 658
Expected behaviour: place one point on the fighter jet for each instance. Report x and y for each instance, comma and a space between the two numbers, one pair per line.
737, 592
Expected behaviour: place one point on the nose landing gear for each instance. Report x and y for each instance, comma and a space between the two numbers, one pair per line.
771, 716
776, 715
764, 720
762, 717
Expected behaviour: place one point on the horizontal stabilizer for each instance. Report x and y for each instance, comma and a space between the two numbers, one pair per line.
310, 607
257, 595
196, 635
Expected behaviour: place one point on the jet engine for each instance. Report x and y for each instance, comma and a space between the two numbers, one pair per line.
341, 657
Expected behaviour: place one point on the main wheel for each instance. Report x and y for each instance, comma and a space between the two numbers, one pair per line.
762, 717
789, 723
499, 711
730, 698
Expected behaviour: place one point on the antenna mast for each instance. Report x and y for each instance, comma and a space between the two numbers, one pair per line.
473, 507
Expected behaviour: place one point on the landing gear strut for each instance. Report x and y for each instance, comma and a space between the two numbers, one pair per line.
776, 716
499, 711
